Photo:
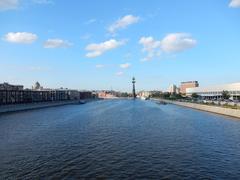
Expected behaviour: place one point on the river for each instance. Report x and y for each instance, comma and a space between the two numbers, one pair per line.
119, 139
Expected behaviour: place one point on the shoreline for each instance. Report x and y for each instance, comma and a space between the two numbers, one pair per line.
202, 107
4, 109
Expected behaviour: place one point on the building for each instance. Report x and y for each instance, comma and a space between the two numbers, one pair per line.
9, 87
73, 94
16, 94
86, 94
172, 89
37, 86
107, 94
188, 84
177, 90
215, 92
144, 94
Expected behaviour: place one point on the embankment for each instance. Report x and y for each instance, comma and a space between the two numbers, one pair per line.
31, 106
208, 108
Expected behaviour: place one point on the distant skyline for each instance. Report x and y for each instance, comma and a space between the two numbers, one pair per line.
103, 44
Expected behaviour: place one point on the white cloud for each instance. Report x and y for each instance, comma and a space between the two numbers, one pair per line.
100, 66
8, 4
151, 46
56, 43
175, 42
234, 4
123, 23
20, 37
120, 73
149, 43
99, 49
125, 66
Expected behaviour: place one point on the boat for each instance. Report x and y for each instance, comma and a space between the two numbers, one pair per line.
161, 102
81, 102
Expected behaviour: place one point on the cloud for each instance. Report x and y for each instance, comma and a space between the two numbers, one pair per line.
120, 73
177, 42
8, 4
234, 4
125, 66
123, 23
20, 37
171, 43
99, 49
151, 46
100, 66
56, 43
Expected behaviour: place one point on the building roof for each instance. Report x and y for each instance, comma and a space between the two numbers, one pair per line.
189, 82
224, 87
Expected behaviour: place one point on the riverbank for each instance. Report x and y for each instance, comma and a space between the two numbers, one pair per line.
213, 109
31, 106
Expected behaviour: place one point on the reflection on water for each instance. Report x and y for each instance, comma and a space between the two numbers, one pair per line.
119, 139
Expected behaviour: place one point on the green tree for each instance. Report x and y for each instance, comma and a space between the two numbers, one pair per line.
195, 95
166, 95
225, 95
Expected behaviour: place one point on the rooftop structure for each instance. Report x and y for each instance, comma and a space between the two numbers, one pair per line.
37, 86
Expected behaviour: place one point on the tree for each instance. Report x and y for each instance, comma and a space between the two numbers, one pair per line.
195, 95
166, 95
225, 95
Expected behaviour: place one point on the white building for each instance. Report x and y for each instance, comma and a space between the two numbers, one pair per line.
215, 92
144, 94
173, 89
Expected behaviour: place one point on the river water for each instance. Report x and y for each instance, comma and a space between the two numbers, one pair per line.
119, 139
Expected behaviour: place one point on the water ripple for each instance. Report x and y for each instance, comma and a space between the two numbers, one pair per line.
119, 139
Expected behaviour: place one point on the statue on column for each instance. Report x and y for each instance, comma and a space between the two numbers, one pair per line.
133, 91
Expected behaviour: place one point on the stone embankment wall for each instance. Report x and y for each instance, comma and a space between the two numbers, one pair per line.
31, 106
202, 107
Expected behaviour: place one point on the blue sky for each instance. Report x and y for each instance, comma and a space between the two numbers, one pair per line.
101, 44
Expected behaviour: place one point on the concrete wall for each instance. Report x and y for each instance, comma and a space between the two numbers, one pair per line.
31, 106
213, 109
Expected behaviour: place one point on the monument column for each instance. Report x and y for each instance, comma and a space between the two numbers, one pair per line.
133, 91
